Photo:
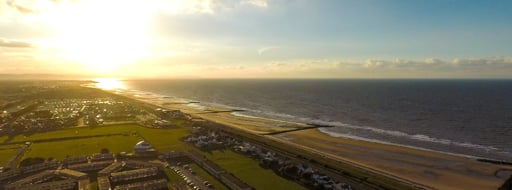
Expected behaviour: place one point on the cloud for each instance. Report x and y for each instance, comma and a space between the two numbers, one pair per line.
257, 3
20, 8
493, 64
370, 63
265, 49
203, 6
493, 61
225, 68
301, 65
457, 64
14, 44
277, 64
186, 6
434, 61
491, 67
206, 6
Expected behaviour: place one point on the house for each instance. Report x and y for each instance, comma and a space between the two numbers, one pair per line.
104, 183
102, 157
133, 174
114, 167
148, 185
84, 167
72, 174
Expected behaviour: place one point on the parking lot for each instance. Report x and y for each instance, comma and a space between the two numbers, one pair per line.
189, 176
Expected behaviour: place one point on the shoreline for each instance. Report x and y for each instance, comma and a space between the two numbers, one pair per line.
436, 169
195, 107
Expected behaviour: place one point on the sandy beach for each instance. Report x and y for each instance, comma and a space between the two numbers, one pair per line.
432, 169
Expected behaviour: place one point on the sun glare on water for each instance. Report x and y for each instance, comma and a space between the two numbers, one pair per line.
109, 83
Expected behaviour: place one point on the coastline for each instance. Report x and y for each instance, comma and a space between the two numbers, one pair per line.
435, 169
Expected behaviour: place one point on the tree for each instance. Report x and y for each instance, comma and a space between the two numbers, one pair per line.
105, 151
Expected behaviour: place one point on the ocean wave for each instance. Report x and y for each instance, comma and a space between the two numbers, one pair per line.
335, 134
240, 114
357, 132
197, 106
243, 114
349, 136
400, 134
156, 96
416, 137
426, 138
222, 106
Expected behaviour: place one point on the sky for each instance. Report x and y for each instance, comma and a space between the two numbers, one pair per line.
257, 38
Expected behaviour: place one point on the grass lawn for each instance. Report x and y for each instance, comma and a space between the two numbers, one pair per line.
76, 132
161, 139
7, 152
76, 147
3, 138
173, 176
206, 176
249, 171
165, 140
93, 185
158, 136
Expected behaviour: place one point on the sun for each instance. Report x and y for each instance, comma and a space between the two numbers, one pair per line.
109, 83
101, 35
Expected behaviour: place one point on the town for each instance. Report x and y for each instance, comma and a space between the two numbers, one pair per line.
37, 115
208, 139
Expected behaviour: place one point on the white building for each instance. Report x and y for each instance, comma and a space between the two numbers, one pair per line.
142, 147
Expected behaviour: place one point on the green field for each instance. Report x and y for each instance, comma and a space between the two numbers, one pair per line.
165, 140
173, 176
3, 138
217, 184
75, 132
7, 152
123, 137
86, 146
250, 172
162, 139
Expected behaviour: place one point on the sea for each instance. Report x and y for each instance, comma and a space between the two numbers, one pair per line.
465, 117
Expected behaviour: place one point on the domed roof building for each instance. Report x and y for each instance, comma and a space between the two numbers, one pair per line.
142, 146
